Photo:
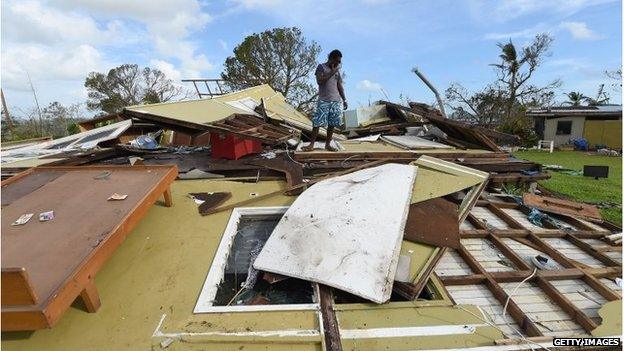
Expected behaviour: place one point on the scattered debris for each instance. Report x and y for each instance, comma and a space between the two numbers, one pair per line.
117, 197
46, 216
23, 219
209, 201
560, 206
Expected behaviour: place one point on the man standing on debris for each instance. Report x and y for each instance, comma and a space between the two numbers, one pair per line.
330, 95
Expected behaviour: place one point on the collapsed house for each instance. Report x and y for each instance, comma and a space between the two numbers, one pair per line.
400, 240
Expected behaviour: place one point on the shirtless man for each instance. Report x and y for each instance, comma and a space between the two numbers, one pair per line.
331, 94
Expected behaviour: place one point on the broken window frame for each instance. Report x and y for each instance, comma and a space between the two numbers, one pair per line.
216, 272
204, 303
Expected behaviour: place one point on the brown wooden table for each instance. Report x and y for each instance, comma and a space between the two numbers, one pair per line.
47, 265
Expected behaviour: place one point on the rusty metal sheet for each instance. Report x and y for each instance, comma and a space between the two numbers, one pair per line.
434, 222
560, 206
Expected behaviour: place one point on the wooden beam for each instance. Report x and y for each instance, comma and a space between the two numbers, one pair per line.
90, 297
293, 188
516, 313
566, 305
509, 253
602, 289
331, 329
168, 198
590, 250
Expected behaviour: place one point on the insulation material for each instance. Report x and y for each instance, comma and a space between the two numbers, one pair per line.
345, 232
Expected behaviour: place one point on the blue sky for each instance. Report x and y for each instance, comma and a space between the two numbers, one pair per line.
57, 42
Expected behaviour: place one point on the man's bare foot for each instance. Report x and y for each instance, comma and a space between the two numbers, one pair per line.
330, 148
308, 148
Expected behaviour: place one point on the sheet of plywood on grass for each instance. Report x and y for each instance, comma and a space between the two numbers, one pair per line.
582, 296
452, 264
490, 258
488, 217
573, 252
83, 219
527, 252
545, 313
480, 295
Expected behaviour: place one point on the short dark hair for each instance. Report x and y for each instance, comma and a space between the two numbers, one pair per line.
335, 53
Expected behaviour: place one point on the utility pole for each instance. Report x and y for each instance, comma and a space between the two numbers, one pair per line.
435, 91
37, 104
5, 109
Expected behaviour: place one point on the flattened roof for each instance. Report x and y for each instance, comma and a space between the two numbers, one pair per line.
206, 111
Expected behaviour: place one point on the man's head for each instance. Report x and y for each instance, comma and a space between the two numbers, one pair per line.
334, 58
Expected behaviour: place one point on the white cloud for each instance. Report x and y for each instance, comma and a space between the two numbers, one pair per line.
367, 85
502, 11
47, 64
169, 24
31, 22
580, 31
167, 68
525, 33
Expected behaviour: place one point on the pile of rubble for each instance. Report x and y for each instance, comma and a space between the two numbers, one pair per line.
371, 222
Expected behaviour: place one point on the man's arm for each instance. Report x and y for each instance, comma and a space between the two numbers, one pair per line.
342, 94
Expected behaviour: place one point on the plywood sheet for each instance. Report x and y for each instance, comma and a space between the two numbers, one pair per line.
345, 232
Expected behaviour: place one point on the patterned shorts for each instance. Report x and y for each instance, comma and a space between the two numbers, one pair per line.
328, 113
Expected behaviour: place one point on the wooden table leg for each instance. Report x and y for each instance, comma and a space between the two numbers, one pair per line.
90, 297
168, 198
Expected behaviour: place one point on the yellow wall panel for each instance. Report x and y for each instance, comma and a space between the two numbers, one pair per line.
603, 132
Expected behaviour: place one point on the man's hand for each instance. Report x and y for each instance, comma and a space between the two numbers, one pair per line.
345, 105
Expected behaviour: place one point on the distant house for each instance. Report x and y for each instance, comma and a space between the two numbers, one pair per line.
599, 125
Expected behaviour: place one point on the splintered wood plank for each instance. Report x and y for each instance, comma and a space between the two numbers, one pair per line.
345, 232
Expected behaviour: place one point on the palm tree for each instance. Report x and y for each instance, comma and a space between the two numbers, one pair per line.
509, 66
575, 98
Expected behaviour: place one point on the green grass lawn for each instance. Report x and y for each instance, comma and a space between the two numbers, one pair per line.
583, 188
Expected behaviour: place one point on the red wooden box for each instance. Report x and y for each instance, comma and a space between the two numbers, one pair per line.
231, 147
